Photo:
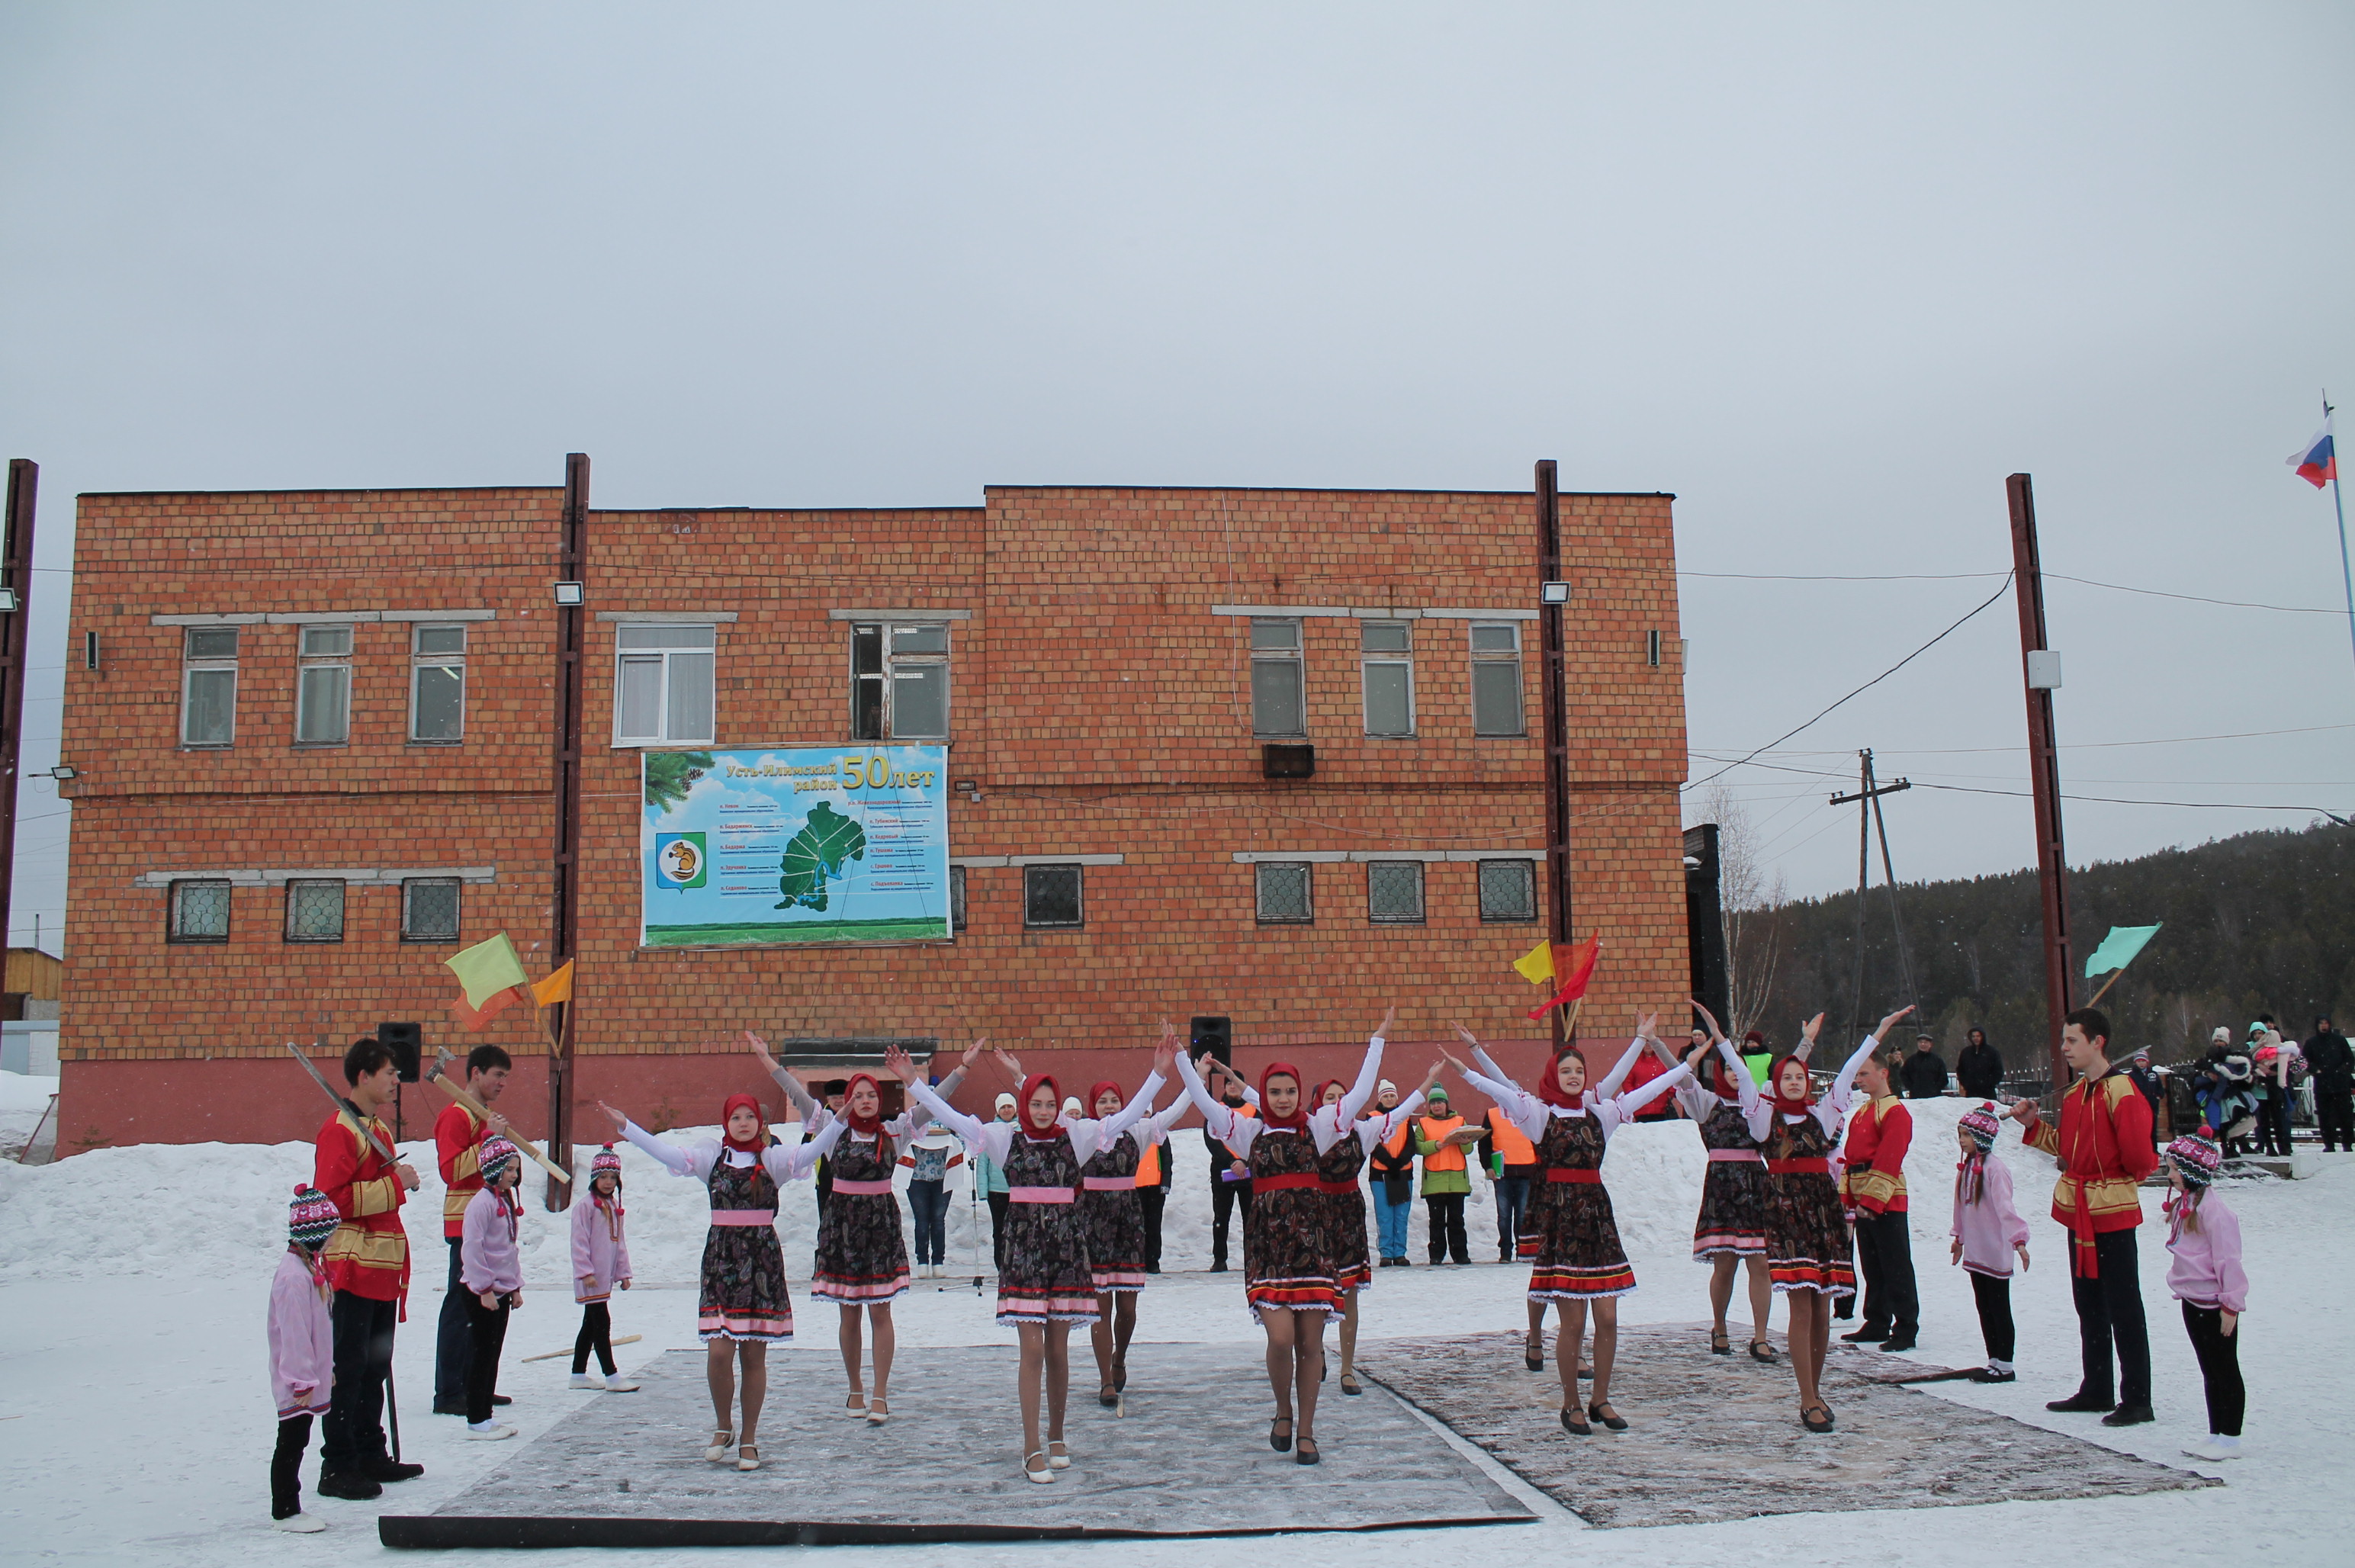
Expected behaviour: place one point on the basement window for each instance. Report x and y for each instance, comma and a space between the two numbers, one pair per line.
1286, 893
199, 912
1394, 891
1051, 896
429, 909
1508, 890
314, 910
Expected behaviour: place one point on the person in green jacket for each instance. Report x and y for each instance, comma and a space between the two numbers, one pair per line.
1439, 1137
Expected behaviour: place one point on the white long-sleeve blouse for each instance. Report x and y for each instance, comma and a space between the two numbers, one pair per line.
785, 1162
1329, 1125
995, 1139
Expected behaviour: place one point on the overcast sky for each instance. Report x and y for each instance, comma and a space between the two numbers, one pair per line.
1829, 273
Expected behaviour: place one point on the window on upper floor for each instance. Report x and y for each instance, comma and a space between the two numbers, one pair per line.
1394, 891
429, 909
437, 683
899, 681
1387, 656
663, 684
198, 912
1279, 706
322, 690
1286, 893
314, 910
209, 685
1050, 895
1497, 678
1508, 890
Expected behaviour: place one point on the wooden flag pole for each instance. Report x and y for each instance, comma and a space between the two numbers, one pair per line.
632, 1339
441, 1080
2105, 988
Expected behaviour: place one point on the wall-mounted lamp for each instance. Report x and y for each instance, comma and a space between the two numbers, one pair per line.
7, 600
63, 773
1554, 594
570, 595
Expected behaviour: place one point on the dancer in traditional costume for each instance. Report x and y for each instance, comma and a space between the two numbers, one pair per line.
1288, 1280
744, 1307
601, 1265
1570, 1235
1806, 1232
1731, 1232
1046, 1285
1345, 1203
1112, 1211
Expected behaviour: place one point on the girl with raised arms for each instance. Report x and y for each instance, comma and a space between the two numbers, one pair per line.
1731, 1232
1345, 1204
744, 1307
1569, 1233
1113, 1215
1288, 1280
1046, 1285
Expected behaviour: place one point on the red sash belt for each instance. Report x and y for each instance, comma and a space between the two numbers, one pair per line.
1336, 1189
1109, 1183
1566, 1173
1284, 1183
1799, 1168
1734, 1156
744, 1216
1038, 1194
863, 1188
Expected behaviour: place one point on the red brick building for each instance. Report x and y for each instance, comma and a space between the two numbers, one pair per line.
311, 735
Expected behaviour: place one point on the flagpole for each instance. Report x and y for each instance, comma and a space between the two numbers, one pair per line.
2338, 504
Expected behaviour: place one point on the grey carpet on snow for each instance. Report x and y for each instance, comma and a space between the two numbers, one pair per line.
1190, 1456
1712, 1437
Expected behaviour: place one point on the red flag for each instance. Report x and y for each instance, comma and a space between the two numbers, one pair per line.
474, 1017
1575, 965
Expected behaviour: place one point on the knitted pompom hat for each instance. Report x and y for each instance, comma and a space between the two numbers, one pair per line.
497, 1155
606, 1160
2196, 1156
1983, 1124
311, 1219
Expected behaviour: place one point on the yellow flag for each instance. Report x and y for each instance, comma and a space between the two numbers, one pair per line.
1536, 965
487, 968
556, 987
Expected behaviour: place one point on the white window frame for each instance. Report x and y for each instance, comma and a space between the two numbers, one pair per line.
1368, 659
1307, 870
683, 631
1480, 657
888, 676
1296, 657
305, 662
420, 662
191, 663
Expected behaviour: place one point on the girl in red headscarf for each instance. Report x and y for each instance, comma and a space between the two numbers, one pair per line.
1046, 1285
1287, 1249
1570, 1235
1113, 1215
1731, 1232
1806, 1232
1344, 1202
744, 1307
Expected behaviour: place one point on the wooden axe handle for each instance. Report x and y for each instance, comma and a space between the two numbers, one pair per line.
441, 1080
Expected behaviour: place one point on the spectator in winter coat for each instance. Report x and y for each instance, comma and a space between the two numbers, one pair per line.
1924, 1074
1979, 1069
2331, 1061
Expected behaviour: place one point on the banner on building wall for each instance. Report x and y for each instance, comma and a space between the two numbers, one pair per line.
789, 844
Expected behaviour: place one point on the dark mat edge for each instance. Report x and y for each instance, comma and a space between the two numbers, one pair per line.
466, 1533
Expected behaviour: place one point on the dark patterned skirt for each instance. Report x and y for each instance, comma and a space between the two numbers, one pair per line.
1572, 1240
1353, 1263
1288, 1252
1046, 1278
1732, 1211
744, 1294
1806, 1235
1114, 1223
862, 1254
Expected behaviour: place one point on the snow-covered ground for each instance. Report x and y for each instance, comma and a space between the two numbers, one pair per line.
135, 1419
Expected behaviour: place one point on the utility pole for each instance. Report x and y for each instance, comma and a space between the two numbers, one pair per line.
2041, 672
15, 613
1868, 818
572, 559
1555, 686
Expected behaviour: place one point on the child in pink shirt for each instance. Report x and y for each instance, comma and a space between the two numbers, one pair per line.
490, 1269
2204, 1272
601, 1265
302, 1352
1988, 1233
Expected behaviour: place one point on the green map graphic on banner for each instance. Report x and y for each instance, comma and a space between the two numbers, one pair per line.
793, 845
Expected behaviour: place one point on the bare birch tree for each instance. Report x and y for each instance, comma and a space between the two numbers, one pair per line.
1750, 903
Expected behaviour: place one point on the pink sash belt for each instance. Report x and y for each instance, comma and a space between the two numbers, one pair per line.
864, 1188
1039, 1194
744, 1216
1736, 1157
1110, 1183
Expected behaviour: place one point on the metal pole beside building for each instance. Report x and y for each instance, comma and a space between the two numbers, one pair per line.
2041, 674
572, 561
1557, 724
17, 586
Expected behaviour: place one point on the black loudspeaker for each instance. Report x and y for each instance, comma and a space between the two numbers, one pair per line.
406, 1043
1217, 1036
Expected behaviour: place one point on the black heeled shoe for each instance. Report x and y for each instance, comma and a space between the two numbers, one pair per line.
1575, 1423
1760, 1351
1811, 1423
1280, 1445
1719, 1343
1615, 1420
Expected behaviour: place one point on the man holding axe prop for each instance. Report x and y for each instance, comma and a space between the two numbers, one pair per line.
366, 1262
458, 1134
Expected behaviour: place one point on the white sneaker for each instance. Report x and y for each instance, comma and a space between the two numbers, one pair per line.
585, 1379
617, 1383
489, 1432
299, 1524
2215, 1449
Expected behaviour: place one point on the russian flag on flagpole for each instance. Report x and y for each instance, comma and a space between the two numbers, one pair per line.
2318, 461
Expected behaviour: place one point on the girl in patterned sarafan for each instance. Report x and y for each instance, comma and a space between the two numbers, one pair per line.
1113, 1217
1731, 1232
862, 1254
1345, 1223
1288, 1248
744, 1307
1808, 1244
1046, 1285
1570, 1235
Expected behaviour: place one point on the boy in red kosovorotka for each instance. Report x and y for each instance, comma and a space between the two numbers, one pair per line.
302, 1352
1872, 1184
458, 1135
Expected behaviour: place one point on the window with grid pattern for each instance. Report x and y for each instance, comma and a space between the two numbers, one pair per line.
1050, 895
1286, 890
314, 910
1508, 890
429, 909
199, 912
1394, 890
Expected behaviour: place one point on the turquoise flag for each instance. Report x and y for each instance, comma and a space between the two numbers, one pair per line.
2118, 948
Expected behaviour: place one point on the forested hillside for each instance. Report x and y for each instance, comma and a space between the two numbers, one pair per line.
2262, 922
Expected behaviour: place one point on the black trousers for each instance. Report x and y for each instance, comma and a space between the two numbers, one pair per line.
1224, 1196
1884, 1255
2219, 1368
286, 1467
1153, 1199
354, 1434
490, 1331
1445, 1210
2109, 1316
596, 1334
451, 1338
2273, 1124
2334, 1114
999, 1203
1993, 1297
